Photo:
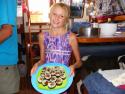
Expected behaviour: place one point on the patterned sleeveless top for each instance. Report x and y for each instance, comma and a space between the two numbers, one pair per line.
57, 48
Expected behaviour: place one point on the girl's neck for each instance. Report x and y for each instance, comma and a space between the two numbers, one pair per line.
57, 31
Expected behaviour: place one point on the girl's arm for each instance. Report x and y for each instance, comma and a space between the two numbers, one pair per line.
75, 48
42, 50
42, 55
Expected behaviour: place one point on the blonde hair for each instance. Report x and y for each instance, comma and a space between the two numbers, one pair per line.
64, 6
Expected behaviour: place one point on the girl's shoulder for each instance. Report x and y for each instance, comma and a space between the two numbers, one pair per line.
72, 35
43, 33
40, 34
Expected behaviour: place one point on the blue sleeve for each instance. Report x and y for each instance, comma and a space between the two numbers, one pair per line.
8, 12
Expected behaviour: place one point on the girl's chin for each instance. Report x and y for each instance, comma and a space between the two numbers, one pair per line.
55, 26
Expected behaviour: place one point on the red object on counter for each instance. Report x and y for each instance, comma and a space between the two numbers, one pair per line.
122, 87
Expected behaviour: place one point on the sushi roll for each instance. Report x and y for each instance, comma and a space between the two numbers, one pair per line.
62, 70
53, 72
48, 69
63, 76
56, 67
45, 82
51, 85
47, 75
40, 79
53, 79
44, 69
58, 73
59, 81
42, 75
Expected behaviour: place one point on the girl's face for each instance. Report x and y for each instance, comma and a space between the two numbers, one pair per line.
58, 17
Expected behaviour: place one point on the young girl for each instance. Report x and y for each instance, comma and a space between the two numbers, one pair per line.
58, 44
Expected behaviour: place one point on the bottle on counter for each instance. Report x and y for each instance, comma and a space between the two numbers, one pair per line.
95, 26
94, 22
109, 20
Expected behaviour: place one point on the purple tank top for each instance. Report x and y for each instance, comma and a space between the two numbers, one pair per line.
57, 48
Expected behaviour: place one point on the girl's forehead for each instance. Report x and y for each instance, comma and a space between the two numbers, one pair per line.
59, 9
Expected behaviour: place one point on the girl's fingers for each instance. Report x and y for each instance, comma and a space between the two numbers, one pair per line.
72, 72
33, 70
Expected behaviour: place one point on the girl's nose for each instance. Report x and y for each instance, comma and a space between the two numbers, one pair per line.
57, 17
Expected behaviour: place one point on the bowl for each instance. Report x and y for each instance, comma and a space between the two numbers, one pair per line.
88, 32
108, 29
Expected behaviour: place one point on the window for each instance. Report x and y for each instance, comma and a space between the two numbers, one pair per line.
39, 10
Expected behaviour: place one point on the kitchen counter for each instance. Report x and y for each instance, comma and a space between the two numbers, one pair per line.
102, 45
120, 37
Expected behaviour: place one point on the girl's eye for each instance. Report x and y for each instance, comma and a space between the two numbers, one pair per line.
61, 16
54, 14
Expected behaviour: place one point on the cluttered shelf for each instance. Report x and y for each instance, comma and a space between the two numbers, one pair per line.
114, 18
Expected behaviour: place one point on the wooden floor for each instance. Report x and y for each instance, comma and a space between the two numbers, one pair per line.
26, 87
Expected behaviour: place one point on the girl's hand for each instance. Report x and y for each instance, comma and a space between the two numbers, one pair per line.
35, 66
72, 73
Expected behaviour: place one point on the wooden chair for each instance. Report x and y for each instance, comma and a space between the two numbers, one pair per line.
83, 89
